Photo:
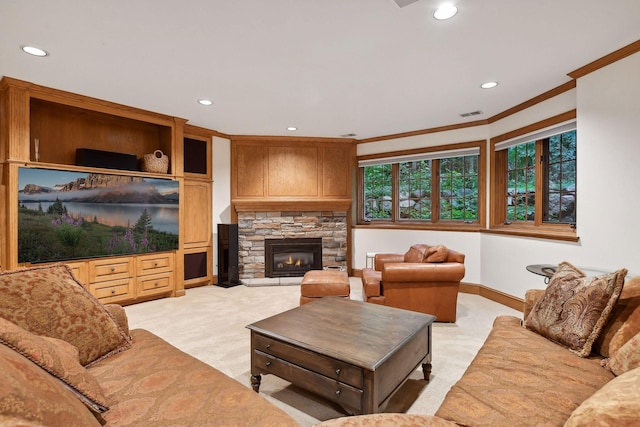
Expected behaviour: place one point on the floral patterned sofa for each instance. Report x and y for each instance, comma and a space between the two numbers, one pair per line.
573, 361
67, 360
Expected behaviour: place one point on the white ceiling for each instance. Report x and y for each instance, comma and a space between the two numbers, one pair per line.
329, 67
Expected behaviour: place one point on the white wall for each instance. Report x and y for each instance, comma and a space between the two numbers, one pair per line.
608, 199
221, 165
608, 121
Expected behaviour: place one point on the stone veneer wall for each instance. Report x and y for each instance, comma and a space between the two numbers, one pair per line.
254, 227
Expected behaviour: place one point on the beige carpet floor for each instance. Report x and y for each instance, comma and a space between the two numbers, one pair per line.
210, 324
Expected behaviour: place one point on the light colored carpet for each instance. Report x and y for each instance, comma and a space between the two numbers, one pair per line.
210, 324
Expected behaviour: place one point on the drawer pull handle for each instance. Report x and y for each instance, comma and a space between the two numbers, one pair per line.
155, 264
337, 392
268, 363
113, 269
156, 285
338, 371
268, 346
113, 291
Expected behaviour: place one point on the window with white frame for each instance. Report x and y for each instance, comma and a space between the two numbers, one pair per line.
534, 182
431, 187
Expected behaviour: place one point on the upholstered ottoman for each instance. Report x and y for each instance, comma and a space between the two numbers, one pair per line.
324, 283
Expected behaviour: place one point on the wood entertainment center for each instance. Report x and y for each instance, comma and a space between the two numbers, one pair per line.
62, 122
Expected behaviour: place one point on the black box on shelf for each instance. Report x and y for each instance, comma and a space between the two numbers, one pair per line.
106, 159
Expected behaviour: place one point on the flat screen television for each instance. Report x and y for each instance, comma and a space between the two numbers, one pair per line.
66, 215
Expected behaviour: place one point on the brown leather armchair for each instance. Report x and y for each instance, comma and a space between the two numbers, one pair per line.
425, 279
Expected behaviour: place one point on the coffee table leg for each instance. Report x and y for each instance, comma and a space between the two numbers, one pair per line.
426, 371
255, 382
426, 363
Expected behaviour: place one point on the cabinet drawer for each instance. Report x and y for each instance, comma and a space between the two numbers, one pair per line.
79, 270
110, 269
112, 291
154, 264
329, 388
155, 284
326, 366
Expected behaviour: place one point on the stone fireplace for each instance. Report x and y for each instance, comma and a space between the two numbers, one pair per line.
292, 257
254, 228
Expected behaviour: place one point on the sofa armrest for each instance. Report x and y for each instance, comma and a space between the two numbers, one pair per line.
423, 272
120, 316
531, 297
381, 259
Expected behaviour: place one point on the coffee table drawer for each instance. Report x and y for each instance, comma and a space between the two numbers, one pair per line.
323, 365
326, 387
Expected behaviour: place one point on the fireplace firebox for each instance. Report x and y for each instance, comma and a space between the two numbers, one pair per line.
292, 257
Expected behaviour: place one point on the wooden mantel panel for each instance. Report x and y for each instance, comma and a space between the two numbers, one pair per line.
338, 162
293, 171
288, 173
248, 163
303, 205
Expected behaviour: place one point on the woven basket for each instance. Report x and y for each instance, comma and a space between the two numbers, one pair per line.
157, 162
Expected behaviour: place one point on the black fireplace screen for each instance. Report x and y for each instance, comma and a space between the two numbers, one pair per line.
292, 257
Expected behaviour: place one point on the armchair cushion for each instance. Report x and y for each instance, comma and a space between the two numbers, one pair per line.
425, 253
416, 253
438, 253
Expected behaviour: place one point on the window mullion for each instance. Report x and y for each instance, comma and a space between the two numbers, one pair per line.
541, 161
395, 193
435, 190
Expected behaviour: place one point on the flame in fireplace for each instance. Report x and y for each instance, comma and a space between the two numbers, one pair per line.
291, 263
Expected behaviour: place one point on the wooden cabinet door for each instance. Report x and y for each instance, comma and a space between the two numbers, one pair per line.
197, 214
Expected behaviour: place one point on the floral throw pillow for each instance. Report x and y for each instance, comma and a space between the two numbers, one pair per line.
48, 301
32, 397
575, 308
57, 357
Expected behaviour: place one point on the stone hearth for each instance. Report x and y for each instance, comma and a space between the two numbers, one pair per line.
254, 227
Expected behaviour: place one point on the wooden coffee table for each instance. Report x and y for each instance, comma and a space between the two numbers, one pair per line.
353, 353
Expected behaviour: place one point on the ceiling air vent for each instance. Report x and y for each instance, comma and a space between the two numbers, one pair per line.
471, 113
348, 135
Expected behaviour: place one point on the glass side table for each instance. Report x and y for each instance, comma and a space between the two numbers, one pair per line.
545, 270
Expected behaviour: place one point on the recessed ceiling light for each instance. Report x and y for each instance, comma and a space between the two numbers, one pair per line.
205, 101
292, 128
445, 11
35, 51
489, 85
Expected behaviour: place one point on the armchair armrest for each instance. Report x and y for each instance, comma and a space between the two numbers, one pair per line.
423, 272
381, 259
